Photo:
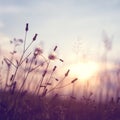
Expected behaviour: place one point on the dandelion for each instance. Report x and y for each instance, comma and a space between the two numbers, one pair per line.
52, 56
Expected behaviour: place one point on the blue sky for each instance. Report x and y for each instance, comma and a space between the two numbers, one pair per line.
62, 22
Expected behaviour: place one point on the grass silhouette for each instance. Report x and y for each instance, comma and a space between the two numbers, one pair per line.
17, 102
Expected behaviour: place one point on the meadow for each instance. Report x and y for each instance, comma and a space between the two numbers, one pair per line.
31, 89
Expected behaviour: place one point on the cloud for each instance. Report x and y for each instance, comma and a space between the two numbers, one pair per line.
6, 9
61, 21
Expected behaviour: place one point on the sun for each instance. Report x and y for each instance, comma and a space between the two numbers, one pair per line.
84, 70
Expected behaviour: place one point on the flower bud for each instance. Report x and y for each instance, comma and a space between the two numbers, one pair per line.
26, 28
66, 74
55, 48
52, 56
35, 36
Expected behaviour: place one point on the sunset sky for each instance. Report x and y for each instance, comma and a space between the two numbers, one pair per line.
62, 23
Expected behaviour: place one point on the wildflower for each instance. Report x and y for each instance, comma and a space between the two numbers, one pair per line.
74, 80
55, 48
27, 60
26, 29
20, 40
16, 42
35, 36
52, 56
49, 83
61, 60
44, 73
56, 79
38, 51
12, 77
54, 68
66, 74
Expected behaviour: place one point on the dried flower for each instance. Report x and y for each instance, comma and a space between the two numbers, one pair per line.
66, 74
55, 48
38, 51
26, 28
74, 80
56, 79
6, 61
49, 83
27, 60
44, 73
20, 40
35, 36
16, 42
12, 77
61, 60
52, 56
54, 68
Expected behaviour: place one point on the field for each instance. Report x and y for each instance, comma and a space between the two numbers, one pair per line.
31, 90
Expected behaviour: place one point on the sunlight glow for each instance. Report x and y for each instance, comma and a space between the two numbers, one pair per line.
84, 70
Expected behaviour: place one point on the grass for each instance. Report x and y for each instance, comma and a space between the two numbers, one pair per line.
30, 89
33, 107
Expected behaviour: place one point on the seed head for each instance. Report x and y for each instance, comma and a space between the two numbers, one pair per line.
26, 28
66, 74
55, 48
54, 68
74, 80
44, 73
38, 51
12, 77
27, 60
61, 60
35, 36
52, 56
56, 79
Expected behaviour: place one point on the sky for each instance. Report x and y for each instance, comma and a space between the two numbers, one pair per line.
76, 26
